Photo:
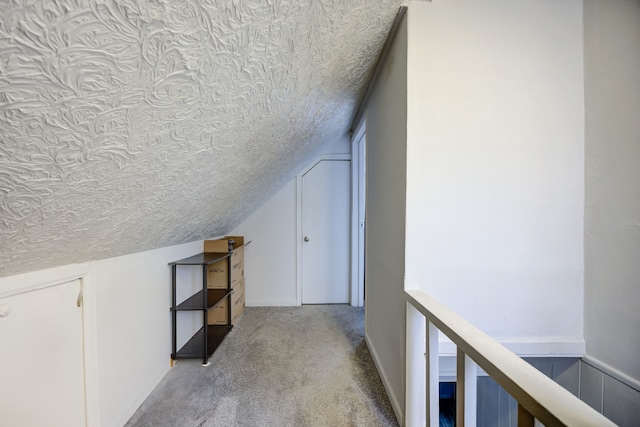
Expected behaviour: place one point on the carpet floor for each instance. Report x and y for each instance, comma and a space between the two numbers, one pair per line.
279, 366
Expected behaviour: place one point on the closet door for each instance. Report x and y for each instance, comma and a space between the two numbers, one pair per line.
41, 358
326, 228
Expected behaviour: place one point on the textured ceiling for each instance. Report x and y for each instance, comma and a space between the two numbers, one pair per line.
132, 125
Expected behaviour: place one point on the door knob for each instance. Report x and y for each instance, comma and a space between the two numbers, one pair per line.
5, 310
306, 238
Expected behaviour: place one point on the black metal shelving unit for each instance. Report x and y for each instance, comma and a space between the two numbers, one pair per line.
205, 341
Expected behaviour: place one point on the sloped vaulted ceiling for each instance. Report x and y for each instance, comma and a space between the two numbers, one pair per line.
132, 125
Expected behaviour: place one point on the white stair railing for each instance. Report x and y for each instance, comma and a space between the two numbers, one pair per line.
539, 397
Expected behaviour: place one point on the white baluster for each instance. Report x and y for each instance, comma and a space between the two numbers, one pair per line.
433, 377
466, 390
415, 365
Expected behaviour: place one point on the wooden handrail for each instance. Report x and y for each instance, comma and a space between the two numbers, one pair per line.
536, 394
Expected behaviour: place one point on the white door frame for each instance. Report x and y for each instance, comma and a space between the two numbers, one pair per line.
357, 249
299, 235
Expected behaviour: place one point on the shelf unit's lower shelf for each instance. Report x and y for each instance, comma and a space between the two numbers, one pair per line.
195, 302
193, 348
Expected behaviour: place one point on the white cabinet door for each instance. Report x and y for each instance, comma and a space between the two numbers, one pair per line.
41, 358
326, 210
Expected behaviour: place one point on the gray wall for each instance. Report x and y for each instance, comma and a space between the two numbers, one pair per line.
496, 408
611, 397
612, 170
385, 213
615, 399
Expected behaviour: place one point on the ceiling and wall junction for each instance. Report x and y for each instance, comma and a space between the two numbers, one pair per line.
127, 126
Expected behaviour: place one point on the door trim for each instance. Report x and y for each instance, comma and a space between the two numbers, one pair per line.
357, 252
299, 235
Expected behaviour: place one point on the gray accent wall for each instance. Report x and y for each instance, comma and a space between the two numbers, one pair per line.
385, 213
611, 396
612, 182
496, 408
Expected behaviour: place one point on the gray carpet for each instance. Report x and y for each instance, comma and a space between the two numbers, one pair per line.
279, 366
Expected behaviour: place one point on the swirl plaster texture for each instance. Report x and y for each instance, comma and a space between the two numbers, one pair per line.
132, 125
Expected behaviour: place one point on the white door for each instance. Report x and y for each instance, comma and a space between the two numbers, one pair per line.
41, 358
326, 210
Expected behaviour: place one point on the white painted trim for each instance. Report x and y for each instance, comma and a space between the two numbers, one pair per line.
91, 354
448, 368
357, 253
341, 156
466, 391
142, 396
39, 286
271, 303
360, 130
299, 233
432, 370
415, 367
612, 372
42, 278
393, 399
355, 161
529, 347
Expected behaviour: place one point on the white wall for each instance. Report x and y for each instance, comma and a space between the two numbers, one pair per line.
270, 260
127, 325
612, 244
385, 219
495, 166
133, 296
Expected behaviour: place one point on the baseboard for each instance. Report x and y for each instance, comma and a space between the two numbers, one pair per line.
530, 347
395, 404
140, 398
271, 303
